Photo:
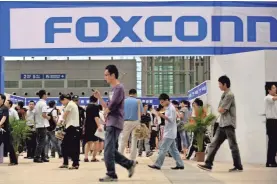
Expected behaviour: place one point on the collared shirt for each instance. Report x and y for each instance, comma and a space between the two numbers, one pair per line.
13, 114
131, 109
40, 108
270, 107
30, 117
72, 118
227, 102
170, 128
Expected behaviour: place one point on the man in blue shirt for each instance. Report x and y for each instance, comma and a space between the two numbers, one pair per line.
168, 143
132, 114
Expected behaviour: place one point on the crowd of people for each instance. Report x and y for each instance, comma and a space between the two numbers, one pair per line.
72, 129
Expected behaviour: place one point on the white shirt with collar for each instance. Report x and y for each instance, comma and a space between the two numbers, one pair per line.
270, 107
13, 114
30, 117
170, 128
40, 108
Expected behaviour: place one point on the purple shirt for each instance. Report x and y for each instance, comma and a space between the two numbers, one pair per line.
116, 106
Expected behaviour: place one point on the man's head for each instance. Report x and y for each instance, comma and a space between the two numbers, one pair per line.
133, 92
150, 107
271, 89
111, 74
224, 83
20, 105
197, 103
2, 99
164, 100
31, 105
145, 107
9, 104
52, 104
92, 99
185, 103
75, 99
42, 94
65, 99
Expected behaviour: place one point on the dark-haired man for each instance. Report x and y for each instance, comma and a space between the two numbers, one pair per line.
114, 125
30, 121
131, 121
168, 143
41, 124
13, 114
226, 129
271, 124
71, 140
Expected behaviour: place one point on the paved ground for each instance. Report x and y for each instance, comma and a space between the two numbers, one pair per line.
48, 173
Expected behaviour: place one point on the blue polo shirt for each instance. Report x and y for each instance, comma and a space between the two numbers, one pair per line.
131, 109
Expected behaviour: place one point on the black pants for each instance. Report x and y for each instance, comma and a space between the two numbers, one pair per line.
271, 130
179, 142
41, 142
220, 136
8, 143
31, 145
71, 145
154, 135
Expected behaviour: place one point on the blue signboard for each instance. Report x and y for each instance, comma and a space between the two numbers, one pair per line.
16, 99
198, 91
54, 76
31, 76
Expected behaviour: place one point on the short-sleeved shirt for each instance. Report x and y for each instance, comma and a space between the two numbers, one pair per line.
40, 108
30, 117
227, 102
115, 117
131, 109
13, 114
72, 118
4, 111
270, 107
170, 128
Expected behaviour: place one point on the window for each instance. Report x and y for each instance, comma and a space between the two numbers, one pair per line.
77, 83
11, 84
31, 84
54, 84
99, 83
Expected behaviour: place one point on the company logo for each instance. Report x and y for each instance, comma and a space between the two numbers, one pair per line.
126, 28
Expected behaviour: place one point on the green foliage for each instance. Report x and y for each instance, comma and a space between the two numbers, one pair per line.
20, 132
198, 125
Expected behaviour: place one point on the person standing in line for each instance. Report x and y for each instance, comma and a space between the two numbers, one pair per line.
271, 124
13, 114
31, 141
41, 124
168, 143
226, 129
131, 121
5, 125
114, 125
71, 140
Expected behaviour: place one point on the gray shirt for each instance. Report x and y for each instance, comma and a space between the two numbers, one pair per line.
170, 128
115, 117
227, 102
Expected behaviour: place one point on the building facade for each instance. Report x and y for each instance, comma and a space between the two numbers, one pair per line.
173, 75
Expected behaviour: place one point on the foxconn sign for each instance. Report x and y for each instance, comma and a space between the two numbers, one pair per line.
134, 29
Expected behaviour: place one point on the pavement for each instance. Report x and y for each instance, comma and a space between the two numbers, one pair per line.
89, 173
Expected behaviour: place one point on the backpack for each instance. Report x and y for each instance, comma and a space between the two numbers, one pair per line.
52, 122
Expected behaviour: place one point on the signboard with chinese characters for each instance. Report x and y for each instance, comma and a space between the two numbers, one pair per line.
31, 76
16, 99
198, 91
54, 76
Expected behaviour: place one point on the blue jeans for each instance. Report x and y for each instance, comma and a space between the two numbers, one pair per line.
111, 155
50, 137
168, 145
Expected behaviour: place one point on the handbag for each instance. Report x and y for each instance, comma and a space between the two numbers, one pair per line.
141, 131
60, 131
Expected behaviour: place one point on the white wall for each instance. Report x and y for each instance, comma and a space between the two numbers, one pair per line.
271, 65
247, 74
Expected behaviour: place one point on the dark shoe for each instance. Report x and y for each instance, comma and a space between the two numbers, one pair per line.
94, 160
45, 160
154, 167
177, 168
108, 179
235, 169
13, 164
271, 165
205, 167
149, 154
63, 167
74, 167
139, 155
38, 160
131, 170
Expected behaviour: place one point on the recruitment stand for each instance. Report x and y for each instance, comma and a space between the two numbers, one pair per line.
187, 28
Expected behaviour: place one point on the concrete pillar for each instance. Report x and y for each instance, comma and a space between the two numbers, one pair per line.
2, 75
187, 74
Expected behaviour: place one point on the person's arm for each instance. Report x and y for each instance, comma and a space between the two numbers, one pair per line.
44, 112
16, 116
67, 110
118, 96
226, 104
5, 115
169, 117
271, 99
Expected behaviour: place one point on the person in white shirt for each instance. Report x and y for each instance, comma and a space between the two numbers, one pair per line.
13, 114
168, 143
271, 124
31, 141
71, 140
41, 123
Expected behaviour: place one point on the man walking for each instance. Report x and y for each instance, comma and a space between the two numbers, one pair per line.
168, 143
115, 119
226, 130
132, 112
